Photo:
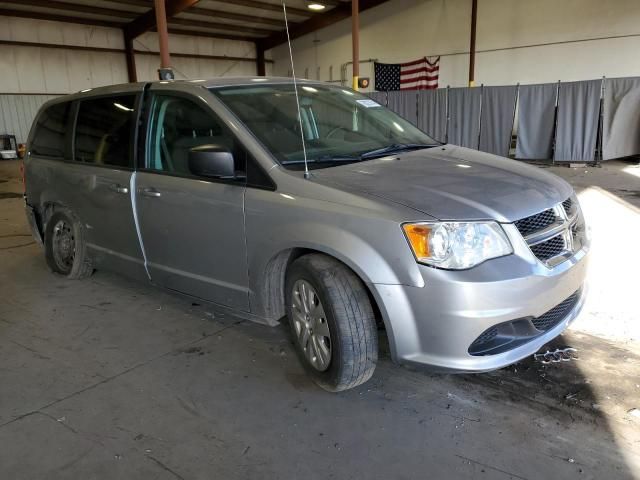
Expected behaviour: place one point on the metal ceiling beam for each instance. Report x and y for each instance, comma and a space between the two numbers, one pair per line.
74, 7
221, 36
256, 4
317, 22
241, 17
134, 3
147, 21
84, 48
273, 7
219, 26
59, 18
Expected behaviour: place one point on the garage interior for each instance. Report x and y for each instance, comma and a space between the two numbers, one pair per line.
111, 378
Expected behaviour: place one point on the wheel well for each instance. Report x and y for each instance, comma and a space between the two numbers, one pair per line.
276, 274
47, 210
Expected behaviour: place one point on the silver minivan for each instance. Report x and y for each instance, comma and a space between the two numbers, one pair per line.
322, 207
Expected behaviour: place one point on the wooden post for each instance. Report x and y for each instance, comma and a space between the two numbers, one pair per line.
472, 42
355, 41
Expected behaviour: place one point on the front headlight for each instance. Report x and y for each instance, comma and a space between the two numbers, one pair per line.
456, 245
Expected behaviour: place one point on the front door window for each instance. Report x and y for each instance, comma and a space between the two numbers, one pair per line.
178, 125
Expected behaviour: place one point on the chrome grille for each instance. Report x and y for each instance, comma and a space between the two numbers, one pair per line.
553, 235
549, 249
554, 316
536, 222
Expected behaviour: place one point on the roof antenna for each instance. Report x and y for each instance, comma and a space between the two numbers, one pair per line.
295, 87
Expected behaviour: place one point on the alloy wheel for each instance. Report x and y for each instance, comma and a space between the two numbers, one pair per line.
310, 325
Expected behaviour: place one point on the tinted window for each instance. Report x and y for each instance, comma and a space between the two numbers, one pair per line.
104, 131
178, 125
48, 138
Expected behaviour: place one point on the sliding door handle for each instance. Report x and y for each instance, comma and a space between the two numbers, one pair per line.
150, 192
116, 187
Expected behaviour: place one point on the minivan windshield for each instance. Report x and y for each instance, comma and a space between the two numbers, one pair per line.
339, 125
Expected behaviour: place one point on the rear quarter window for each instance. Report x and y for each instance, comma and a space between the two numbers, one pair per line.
49, 135
104, 131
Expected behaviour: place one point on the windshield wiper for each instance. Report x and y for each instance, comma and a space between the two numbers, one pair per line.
378, 152
396, 147
324, 159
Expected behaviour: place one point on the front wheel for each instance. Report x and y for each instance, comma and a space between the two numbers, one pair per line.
332, 322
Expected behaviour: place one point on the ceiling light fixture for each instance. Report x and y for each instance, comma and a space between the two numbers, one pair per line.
315, 6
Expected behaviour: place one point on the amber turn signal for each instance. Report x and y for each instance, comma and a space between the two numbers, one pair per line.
418, 236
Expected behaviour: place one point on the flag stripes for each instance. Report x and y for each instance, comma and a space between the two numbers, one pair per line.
421, 74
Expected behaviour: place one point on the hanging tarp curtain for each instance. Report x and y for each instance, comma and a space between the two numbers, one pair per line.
536, 117
577, 125
464, 116
564, 121
432, 113
380, 97
496, 123
404, 104
621, 118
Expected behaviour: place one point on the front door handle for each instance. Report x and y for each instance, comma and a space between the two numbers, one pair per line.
150, 192
119, 188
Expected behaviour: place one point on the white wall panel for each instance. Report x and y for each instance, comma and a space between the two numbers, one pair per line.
33, 70
44, 70
9, 79
79, 66
512, 23
567, 62
48, 32
396, 31
28, 64
199, 45
401, 30
54, 67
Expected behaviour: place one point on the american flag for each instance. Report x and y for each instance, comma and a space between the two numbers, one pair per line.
420, 74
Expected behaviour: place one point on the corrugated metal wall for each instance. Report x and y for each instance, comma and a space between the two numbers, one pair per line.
17, 113
32, 75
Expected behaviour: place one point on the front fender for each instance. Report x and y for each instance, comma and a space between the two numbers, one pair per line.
369, 241
358, 253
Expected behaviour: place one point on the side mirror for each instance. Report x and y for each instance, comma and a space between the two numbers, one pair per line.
211, 161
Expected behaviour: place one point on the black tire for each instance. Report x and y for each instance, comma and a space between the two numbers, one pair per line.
349, 316
64, 246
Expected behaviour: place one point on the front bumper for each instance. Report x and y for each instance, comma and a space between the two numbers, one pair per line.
436, 324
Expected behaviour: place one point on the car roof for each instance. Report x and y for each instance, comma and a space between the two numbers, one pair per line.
207, 83
124, 88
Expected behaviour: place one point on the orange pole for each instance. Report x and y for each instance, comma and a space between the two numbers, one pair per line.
163, 34
355, 41
472, 42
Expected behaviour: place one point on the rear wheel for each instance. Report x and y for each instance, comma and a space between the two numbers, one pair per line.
65, 249
332, 322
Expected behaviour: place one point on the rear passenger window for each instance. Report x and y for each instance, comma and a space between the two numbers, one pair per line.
49, 135
104, 131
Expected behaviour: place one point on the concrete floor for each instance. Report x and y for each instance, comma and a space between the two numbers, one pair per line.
107, 378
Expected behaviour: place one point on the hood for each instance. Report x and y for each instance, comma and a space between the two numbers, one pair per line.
453, 183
